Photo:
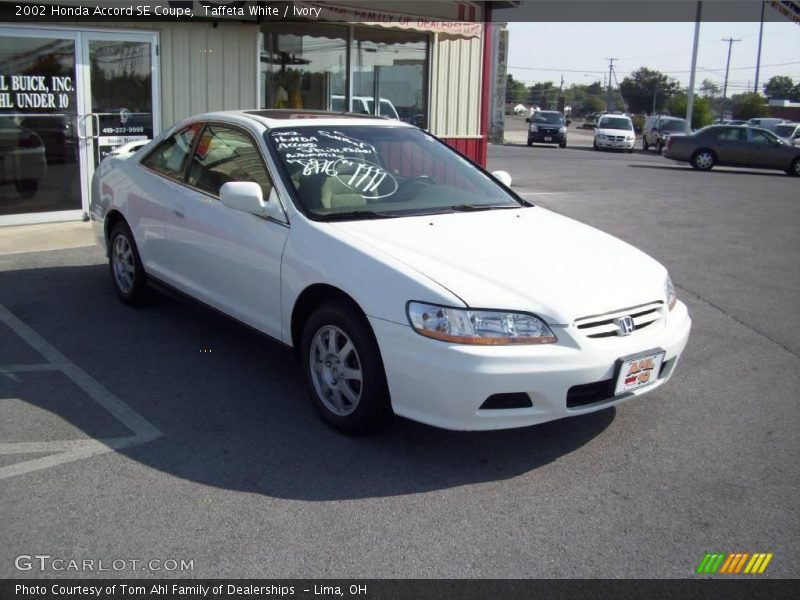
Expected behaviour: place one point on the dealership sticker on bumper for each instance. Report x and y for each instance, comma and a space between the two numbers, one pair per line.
638, 372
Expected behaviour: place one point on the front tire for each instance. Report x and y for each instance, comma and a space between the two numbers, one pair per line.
794, 169
659, 147
595, 146
645, 145
703, 160
127, 272
344, 371
562, 144
530, 142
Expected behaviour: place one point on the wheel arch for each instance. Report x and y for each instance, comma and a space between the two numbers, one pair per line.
312, 297
112, 218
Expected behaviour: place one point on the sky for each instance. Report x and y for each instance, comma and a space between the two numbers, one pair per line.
580, 51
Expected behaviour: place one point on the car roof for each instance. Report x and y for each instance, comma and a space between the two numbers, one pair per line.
277, 118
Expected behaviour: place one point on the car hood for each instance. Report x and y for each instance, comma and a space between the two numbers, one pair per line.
526, 259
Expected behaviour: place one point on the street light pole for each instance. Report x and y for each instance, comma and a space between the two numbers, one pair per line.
727, 68
690, 99
758, 58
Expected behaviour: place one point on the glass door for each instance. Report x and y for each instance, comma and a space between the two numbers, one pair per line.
67, 98
120, 99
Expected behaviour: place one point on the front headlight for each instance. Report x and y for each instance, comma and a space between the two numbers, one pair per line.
669, 291
601, 136
562, 130
485, 327
534, 129
628, 138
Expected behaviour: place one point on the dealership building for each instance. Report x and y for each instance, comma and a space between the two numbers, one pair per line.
74, 85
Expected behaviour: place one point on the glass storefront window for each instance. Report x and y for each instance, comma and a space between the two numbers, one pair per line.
304, 66
38, 132
392, 66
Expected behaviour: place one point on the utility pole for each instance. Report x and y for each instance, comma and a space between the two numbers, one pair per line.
690, 99
608, 91
727, 68
758, 58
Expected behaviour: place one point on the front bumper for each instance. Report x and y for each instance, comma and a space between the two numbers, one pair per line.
618, 144
547, 138
444, 385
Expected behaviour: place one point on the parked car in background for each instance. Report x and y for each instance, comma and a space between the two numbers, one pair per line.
590, 120
768, 123
658, 128
352, 240
734, 146
789, 133
733, 122
614, 131
547, 127
23, 161
365, 105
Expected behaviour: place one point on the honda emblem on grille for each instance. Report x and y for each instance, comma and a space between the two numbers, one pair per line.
624, 325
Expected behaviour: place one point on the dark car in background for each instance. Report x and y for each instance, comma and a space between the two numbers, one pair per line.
58, 132
547, 127
734, 146
658, 128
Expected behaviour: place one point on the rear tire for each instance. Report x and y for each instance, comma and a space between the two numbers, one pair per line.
659, 147
125, 265
344, 371
703, 160
645, 145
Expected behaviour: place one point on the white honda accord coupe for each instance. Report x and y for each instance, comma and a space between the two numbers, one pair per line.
407, 280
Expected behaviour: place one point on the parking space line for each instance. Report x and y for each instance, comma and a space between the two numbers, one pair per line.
69, 450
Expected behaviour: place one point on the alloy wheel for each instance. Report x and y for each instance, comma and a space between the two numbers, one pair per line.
336, 370
122, 262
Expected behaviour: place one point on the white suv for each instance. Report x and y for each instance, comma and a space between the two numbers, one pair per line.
614, 131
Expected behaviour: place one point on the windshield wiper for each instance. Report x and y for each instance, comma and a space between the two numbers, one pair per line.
353, 215
477, 207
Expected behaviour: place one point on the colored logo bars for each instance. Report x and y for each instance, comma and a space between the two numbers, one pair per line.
734, 563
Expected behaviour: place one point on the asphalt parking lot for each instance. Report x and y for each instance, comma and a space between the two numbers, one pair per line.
209, 451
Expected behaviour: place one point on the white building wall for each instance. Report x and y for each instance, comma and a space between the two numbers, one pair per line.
455, 97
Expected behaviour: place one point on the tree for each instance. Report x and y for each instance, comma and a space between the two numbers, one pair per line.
748, 105
642, 85
702, 112
542, 93
516, 92
709, 89
779, 86
593, 104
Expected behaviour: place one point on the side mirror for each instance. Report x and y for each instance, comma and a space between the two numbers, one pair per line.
568, 122
527, 119
503, 177
243, 195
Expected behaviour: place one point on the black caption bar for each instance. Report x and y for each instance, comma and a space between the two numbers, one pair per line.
393, 589
542, 11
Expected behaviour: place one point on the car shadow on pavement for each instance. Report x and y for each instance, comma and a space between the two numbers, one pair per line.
232, 406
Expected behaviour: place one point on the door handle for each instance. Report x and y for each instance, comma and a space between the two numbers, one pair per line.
96, 129
178, 213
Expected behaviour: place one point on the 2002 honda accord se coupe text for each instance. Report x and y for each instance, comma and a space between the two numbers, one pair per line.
393, 266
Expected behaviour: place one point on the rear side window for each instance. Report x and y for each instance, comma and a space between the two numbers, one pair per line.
170, 156
225, 154
732, 134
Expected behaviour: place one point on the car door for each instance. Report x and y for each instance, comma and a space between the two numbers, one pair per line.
765, 150
149, 207
731, 145
224, 257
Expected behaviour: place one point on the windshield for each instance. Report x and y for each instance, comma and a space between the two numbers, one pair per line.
673, 125
785, 130
554, 118
615, 123
360, 172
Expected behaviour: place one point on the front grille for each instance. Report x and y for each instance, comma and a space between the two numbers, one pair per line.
601, 391
601, 326
590, 393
